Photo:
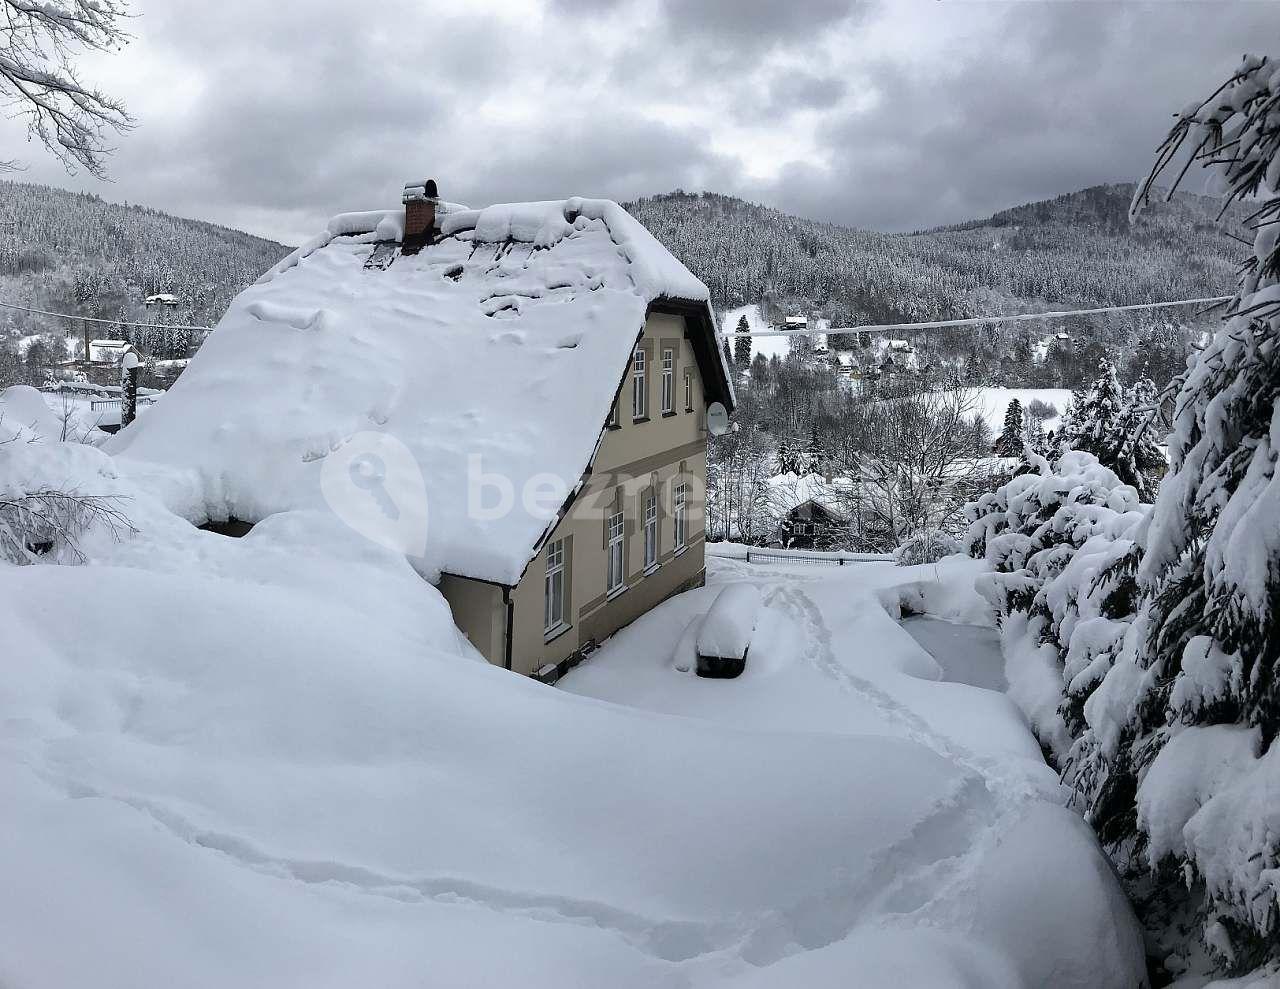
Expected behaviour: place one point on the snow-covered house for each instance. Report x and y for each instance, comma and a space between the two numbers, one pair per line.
796, 322
809, 511
515, 396
109, 351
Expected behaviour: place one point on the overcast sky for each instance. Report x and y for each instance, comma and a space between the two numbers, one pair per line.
271, 116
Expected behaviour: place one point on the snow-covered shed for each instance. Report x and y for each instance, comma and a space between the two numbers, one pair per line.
454, 382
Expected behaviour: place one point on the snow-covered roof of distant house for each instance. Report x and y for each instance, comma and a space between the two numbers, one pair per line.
787, 492
797, 321
112, 344
900, 344
162, 298
496, 350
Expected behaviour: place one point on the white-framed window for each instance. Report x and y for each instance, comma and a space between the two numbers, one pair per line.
688, 391
639, 386
679, 513
614, 422
651, 530
553, 616
616, 575
668, 380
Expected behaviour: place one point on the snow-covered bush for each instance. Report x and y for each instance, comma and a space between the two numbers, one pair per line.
1165, 620
927, 546
1059, 541
53, 496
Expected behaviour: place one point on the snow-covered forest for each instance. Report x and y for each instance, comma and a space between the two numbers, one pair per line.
77, 253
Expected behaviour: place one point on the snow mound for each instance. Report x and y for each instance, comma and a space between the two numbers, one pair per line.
726, 631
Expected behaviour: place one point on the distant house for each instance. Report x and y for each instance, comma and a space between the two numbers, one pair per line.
796, 322
535, 377
809, 510
820, 343
109, 351
901, 346
162, 299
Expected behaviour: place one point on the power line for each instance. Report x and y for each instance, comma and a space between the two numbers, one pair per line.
976, 320
95, 319
865, 328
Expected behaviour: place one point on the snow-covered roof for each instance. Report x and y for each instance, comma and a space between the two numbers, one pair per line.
788, 492
496, 350
162, 298
797, 321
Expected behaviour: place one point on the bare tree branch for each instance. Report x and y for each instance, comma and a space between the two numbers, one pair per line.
50, 523
38, 79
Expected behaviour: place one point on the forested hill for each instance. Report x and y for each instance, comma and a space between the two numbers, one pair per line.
1078, 249
78, 253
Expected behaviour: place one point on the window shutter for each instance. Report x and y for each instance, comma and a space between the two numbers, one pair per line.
568, 578
650, 369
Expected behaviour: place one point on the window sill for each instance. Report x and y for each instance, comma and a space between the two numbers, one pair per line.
680, 550
639, 418
668, 415
613, 425
551, 634
651, 569
688, 410
616, 592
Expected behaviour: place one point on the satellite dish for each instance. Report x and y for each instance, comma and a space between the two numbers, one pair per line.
717, 419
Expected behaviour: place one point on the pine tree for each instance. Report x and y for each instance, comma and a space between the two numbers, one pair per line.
728, 354
815, 455
742, 344
1095, 415
1009, 443
1119, 429
1208, 643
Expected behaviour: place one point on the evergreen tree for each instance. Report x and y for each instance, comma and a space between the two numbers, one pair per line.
1009, 443
1094, 422
1208, 625
815, 455
728, 354
1119, 429
741, 344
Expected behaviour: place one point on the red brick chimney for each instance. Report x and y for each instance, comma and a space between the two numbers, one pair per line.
420, 200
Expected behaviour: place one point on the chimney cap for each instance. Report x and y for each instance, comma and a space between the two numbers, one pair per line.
421, 189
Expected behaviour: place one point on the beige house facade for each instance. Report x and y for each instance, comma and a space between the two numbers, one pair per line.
631, 536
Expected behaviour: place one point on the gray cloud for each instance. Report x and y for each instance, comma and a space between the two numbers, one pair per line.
802, 90
742, 26
271, 117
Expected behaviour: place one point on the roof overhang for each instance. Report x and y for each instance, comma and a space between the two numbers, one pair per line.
702, 337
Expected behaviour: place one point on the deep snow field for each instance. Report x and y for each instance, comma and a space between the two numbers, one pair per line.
272, 761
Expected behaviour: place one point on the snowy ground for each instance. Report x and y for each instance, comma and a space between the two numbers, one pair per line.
994, 402
272, 761
989, 859
769, 346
